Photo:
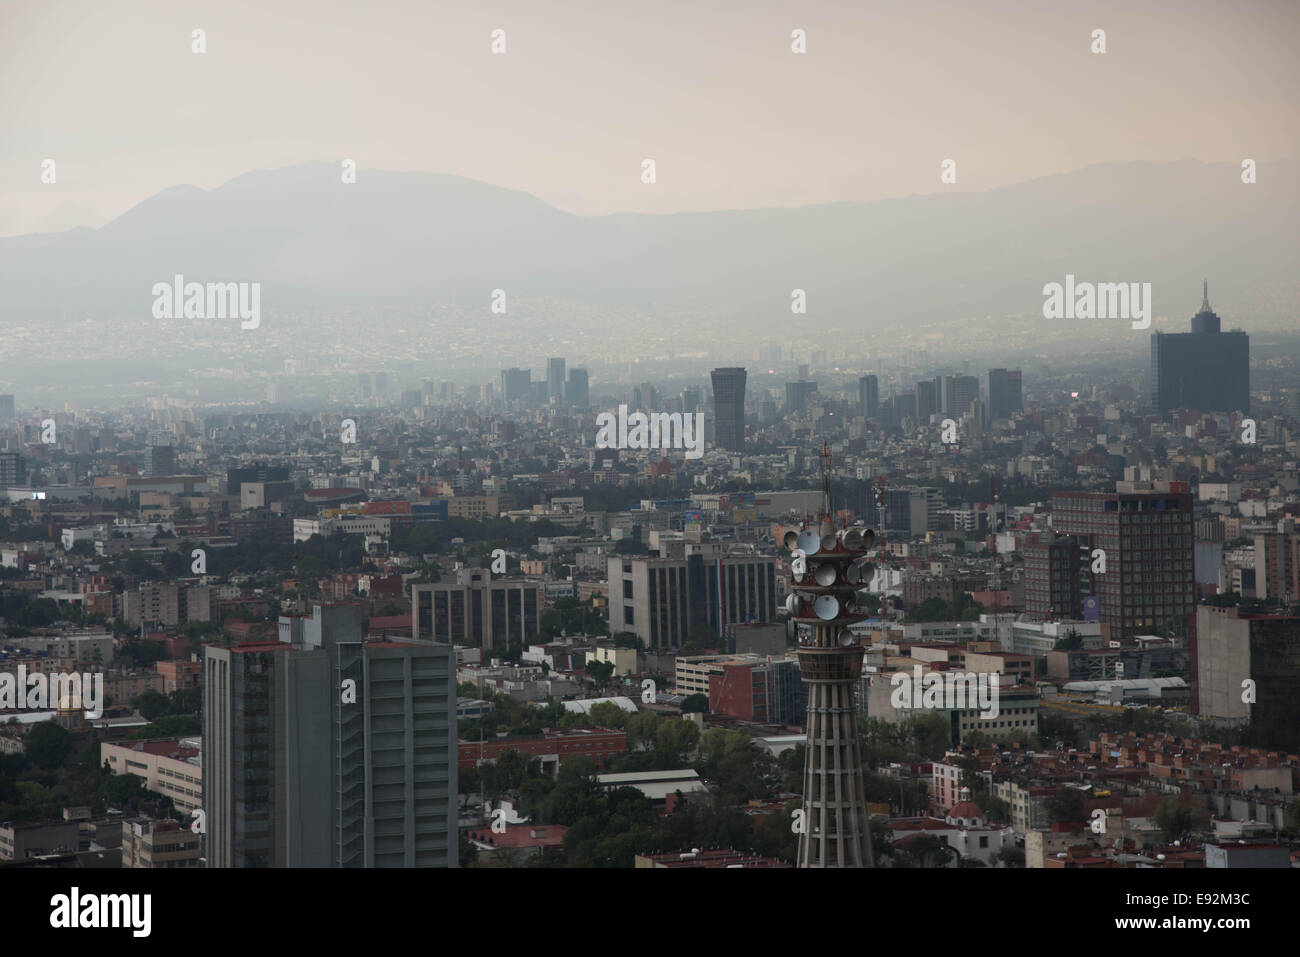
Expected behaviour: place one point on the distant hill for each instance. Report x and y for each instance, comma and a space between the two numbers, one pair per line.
419, 238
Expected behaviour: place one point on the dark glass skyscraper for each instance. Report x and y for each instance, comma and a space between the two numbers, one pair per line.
1004, 393
869, 396
555, 380
729, 408
1206, 369
576, 395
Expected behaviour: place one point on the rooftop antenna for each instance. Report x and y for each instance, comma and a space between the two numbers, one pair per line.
1205, 295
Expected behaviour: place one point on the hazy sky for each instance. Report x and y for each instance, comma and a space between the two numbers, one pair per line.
709, 89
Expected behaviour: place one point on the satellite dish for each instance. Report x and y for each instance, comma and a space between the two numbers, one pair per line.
868, 538
851, 575
829, 542
825, 575
810, 542
791, 603
853, 539
827, 608
846, 638
791, 540
866, 571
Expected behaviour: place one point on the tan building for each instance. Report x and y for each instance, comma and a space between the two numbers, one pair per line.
473, 506
166, 604
623, 659
149, 844
164, 767
125, 686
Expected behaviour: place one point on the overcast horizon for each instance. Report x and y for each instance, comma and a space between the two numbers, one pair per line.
733, 119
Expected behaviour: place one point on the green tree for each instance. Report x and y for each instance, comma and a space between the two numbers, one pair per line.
676, 737
695, 703
47, 745
606, 714
152, 704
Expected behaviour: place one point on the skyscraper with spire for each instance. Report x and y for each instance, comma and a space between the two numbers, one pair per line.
1206, 369
826, 571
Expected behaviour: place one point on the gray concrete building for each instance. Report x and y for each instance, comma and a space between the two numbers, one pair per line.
321, 750
476, 610
661, 599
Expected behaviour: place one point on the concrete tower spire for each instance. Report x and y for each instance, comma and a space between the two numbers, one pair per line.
826, 572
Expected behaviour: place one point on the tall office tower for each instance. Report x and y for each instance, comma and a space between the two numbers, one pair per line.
13, 470
426, 391
555, 380
1054, 577
1205, 369
1145, 531
692, 399
516, 385
729, 408
836, 831
927, 400
646, 397
321, 750
1004, 393
905, 407
869, 396
1277, 565
6, 408
661, 599
576, 394
959, 391
162, 460
803, 372
1229, 647
796, 396
476, 610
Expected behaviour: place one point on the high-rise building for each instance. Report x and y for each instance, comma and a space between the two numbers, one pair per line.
476, 610
1054, 570
6, 408
162, 460
927, 399
729, 408
646, 397
321, 750
1206, 369
1004, 393
1277, 565
796, 396
13, 470
692, 400
555, 380
576, 394
1232, 652
958, 392
1144, 530
869, 396
516, 386
661, 599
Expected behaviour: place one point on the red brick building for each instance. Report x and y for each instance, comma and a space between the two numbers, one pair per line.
555, 746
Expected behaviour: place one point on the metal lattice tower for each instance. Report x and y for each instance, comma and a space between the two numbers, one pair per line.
826, 573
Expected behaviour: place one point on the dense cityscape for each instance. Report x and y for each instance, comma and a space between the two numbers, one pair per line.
574, 438
541, 642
